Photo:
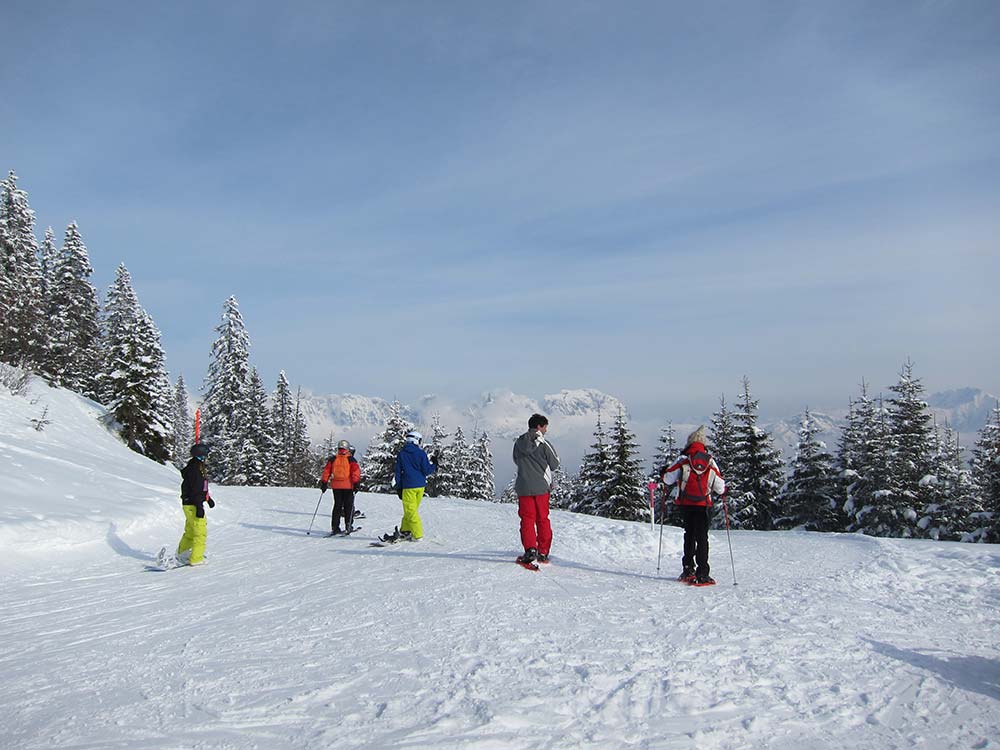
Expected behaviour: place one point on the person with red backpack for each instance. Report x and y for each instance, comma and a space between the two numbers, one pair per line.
342, 475
697, 476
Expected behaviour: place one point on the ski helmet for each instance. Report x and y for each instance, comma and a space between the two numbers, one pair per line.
414, 437
199, 450
343, 445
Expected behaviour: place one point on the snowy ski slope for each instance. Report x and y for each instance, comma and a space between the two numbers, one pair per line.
289, 641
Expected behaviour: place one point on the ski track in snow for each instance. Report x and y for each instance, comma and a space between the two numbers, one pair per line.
291, 641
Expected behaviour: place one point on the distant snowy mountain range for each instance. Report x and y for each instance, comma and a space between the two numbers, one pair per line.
503, 415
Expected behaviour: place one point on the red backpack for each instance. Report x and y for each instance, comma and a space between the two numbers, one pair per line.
695, 480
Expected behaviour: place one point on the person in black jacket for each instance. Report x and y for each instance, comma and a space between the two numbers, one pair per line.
194, 497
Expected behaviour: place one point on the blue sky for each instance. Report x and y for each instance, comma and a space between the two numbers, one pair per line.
652, 199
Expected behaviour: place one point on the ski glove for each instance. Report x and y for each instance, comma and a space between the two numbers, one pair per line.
323, 486
399, 493
356, 488
211, 502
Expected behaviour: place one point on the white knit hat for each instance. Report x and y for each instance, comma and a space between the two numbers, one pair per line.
698, 436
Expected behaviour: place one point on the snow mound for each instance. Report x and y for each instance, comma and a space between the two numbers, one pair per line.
73, 481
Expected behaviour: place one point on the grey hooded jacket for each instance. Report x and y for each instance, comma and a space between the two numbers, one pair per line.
536, 459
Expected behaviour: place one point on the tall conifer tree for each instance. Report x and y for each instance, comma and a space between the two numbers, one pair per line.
182, 432
226, 393
378, 467
909, 422
758, 466
22, 328
986, 475
134, 385
809, 498
591, 488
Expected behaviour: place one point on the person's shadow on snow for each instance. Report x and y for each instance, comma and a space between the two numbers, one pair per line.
122, 547
975, 673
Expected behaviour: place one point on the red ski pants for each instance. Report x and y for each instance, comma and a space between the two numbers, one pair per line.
536, 531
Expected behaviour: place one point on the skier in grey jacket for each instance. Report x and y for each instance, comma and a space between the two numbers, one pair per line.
536, 460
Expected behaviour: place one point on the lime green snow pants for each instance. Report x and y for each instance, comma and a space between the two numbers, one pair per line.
411, 519
195, 532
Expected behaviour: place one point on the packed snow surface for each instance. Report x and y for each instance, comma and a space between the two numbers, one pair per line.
284, 640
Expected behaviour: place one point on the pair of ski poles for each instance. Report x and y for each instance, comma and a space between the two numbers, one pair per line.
659, 550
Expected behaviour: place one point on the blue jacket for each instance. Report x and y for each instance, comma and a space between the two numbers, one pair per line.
413, 467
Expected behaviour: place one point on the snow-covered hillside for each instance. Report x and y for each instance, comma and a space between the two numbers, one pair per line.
284, 640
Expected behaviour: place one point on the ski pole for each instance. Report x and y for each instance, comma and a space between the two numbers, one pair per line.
323, 492
659, 548
725, 510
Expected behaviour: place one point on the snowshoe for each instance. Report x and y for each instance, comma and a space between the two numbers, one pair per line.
544, 559
702, 581
686, 576
527, 560
359, 514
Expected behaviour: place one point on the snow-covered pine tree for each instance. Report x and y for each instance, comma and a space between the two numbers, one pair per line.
135, 386
73, 356
283, 423
226, 396
947, 516
440, 480
666, 450
458, 460
626, 487
562, 492
590, 491
876, 495
909, 422
256, 464
378, 467
986, 477
328, 447
182, 430
48, 259
22, 320
482, 484
509, 495
304, 464
722, 447
810, 496
847, 461
758, 465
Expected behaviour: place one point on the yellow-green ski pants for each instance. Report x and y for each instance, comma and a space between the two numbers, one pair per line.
411, 519
195, 532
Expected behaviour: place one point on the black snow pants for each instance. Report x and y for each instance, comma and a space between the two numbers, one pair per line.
696, 538
343, 507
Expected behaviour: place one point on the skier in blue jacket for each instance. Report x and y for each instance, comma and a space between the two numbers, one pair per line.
412, 469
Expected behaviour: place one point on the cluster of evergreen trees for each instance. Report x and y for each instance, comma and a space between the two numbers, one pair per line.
895, 473
464, 467
52, 324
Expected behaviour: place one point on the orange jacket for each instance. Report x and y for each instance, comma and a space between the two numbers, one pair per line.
343, 472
